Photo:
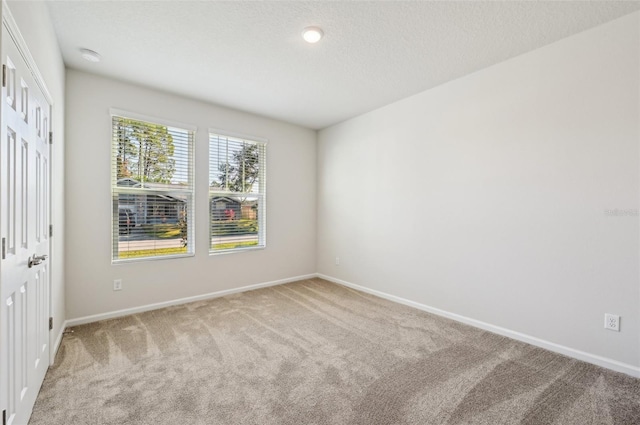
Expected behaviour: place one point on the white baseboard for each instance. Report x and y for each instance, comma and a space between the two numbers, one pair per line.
56, 344
557, 348
127, 311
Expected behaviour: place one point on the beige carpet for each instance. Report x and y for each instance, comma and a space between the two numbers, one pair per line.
312, 352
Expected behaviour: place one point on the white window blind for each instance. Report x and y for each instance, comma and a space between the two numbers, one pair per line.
152, 190
237, 193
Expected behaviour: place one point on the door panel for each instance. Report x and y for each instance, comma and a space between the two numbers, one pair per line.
24, 227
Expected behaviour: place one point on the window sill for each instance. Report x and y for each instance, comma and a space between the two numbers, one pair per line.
143, 259
235, 250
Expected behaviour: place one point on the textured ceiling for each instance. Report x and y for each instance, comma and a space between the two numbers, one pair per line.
250, 56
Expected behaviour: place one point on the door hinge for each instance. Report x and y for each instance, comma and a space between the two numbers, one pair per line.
4, 248
4, 75
50, 323
50, 230
51, 137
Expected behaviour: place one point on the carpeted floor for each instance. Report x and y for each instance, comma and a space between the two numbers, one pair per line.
313, 352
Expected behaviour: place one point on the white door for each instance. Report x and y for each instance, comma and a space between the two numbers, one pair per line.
24, 228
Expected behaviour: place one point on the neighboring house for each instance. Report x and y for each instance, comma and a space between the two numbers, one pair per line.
150, 209
231, 208
224, 208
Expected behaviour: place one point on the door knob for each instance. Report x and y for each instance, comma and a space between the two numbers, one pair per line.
36, 259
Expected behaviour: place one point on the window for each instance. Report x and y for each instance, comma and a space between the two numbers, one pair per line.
236, 193
152, 188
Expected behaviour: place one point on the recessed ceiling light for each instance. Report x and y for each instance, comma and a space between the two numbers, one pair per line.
89, 55
312, 34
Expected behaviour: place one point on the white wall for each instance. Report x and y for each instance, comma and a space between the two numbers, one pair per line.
291, 208
486, 196
37, 30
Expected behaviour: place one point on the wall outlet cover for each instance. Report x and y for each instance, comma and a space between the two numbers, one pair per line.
612, 322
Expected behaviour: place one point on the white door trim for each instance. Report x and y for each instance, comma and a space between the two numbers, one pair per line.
14, 31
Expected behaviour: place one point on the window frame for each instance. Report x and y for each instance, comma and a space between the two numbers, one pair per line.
116, 190
261, 194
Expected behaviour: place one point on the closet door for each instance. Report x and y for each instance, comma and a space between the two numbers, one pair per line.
24, 228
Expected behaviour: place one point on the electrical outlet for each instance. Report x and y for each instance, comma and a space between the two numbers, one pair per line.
337, 261
612, 322
117, 285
